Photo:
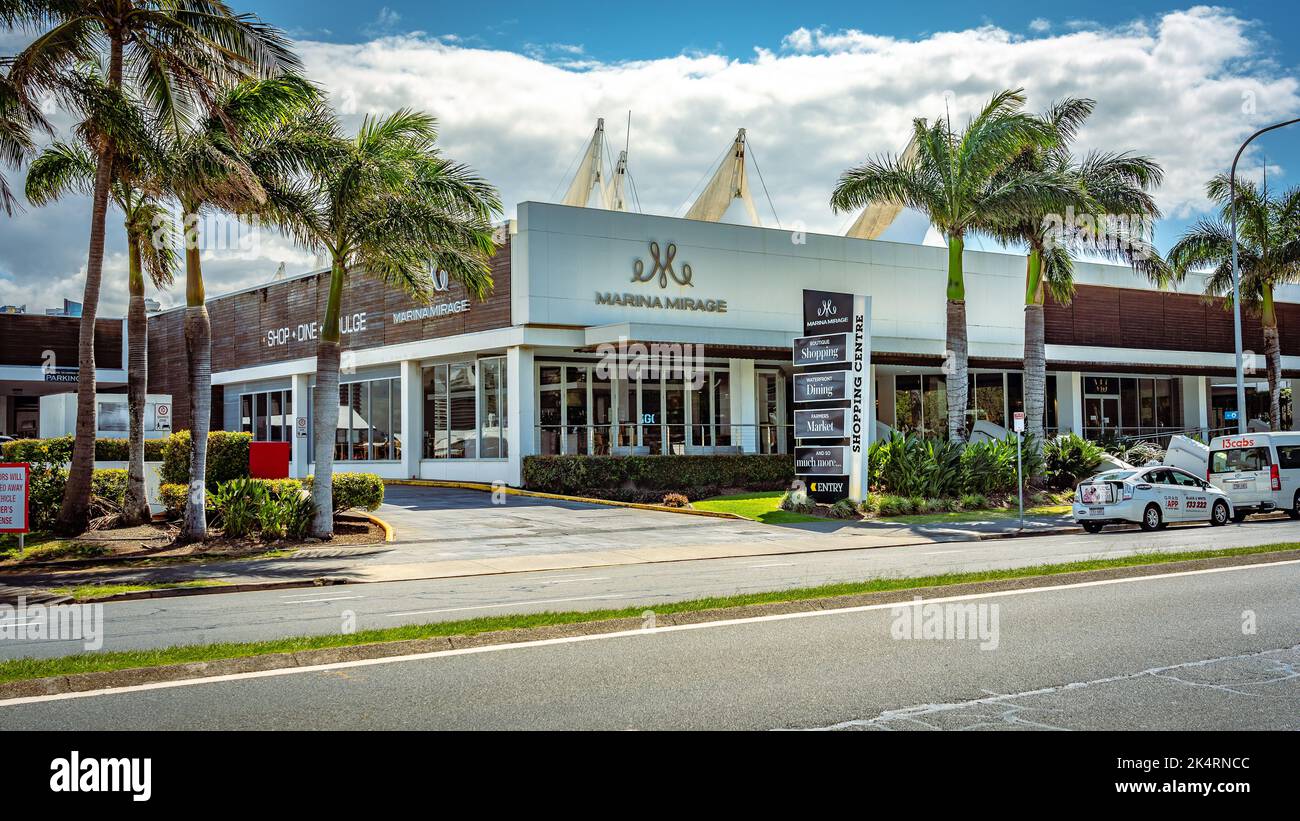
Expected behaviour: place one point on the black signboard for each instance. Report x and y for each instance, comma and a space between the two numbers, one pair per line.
827, 312
829, 349
830, 460
827, 423
827, 386
828, 489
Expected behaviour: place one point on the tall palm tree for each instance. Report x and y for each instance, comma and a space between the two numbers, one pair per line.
388, 204
228, 161
953, 179
64, 168
1116, 185
1268, 255
174, 52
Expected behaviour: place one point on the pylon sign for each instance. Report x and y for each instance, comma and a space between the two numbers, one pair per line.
833, 360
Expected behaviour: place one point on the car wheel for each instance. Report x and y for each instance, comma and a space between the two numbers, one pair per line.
1092, 527
1219, 515
1239, 516
1151, 518
1294, 512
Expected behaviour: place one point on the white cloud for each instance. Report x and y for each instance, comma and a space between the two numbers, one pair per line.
1040, 25
1172, 87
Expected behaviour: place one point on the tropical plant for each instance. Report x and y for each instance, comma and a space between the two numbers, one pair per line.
1070, 458
387, 204
173, 53
18, 119
239, 158
1268, 255
1112, 193
239, 503
956, 179
136, 188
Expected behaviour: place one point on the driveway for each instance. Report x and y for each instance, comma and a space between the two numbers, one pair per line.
450, 523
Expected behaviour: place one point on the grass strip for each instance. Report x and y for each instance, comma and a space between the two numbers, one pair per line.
27, 668
90, 592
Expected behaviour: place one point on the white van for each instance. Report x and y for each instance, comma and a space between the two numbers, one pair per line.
1258, 471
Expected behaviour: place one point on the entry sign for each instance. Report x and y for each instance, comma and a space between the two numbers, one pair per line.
15, 490
1018, 421
300, 426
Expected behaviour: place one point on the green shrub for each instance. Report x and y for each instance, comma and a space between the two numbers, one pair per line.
48, 484
227, 457
844, 509
298, 510
364, 491
889, 504
602, 476
973, 501
675, 500
239, 503
1070, 458
58, 450
173, 499
912, 465
796, 502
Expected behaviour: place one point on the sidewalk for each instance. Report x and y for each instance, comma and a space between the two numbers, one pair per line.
424, 557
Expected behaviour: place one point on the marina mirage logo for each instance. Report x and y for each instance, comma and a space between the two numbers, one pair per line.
827, 309
1130, 234
57, 622
946, 621
638, 361
661, 268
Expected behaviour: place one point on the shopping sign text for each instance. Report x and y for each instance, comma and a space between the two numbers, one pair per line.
309, 331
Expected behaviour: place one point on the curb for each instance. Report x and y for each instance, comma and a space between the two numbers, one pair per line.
390, 534
85, 682
537, 494
174, 592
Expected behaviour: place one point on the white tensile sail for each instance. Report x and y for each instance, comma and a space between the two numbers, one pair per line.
875, 218
730, 182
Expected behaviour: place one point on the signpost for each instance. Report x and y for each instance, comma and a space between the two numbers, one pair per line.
300, 427
1018, 425
162, 416
15, 492
832, 362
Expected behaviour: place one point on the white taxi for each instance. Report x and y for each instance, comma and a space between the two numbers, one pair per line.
1151, 496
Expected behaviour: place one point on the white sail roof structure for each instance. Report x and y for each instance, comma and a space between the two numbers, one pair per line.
875, 218
589, 180
729, 182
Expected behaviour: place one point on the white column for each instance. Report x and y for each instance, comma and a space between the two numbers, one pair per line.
412, 417
1069, 401
521, 399
744, 404
1196, 402
299, 458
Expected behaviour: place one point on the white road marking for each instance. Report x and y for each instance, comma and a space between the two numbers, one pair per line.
651, 631
499, 604
314, 601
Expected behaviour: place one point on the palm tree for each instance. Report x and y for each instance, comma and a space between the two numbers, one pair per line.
18, 119
1108, 184
174, 52
387, 203
953, 179
1268, 255
64, 168
233, 160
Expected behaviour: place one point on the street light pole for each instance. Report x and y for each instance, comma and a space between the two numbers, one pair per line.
1236, 275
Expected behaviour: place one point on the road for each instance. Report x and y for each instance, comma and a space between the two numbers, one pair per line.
153, 623
1216, 649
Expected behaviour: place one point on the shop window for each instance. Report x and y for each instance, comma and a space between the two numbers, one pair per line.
907, 403
267, 415
113, 416
492, 408
934, 414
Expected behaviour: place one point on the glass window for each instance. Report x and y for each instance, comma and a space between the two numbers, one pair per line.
1164, 402
1015, 392
113, 416
988, 398
491, 413
1288, 457
1128, 404
275, 424
628, 412
575, 409
602, 406
907, 403
259, 418
935, 405
652, 415
395, 392
381, 436
1239, 459
550, 410
722, 407
246, 413
701, 409
435, 412
1146, 403
462, 413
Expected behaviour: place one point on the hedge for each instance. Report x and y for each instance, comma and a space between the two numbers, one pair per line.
58, 451
227, 457
47, 488
638, 478
364, 491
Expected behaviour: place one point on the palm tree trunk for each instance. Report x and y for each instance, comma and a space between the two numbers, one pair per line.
198, 354
325, 409
74, 513
955, 365
136, 506
1273, 355
1035, 352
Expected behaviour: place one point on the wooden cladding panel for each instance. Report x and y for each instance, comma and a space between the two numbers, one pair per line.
1158, 320
24, 339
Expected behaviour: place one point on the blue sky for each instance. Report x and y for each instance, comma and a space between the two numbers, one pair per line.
818, 85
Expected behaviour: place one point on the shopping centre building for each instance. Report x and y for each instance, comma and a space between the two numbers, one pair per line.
463, 390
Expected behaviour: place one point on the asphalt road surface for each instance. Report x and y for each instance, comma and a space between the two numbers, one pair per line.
153, 623
1215, 649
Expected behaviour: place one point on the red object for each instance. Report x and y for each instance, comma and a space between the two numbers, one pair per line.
1272, 474
269, 460
27, 494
